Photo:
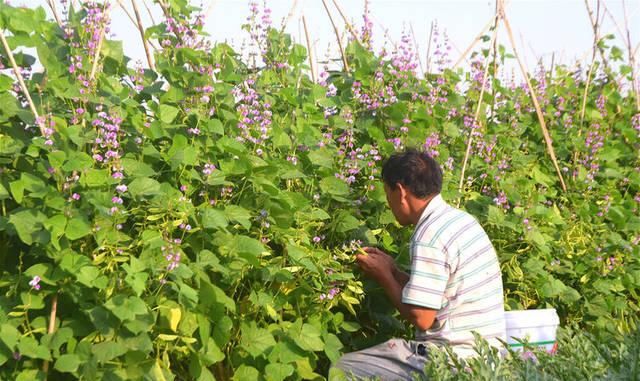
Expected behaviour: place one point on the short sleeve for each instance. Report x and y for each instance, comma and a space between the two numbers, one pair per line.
429, 277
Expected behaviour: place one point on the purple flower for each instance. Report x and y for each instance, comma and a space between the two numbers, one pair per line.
121, 188
116, 200
75, 196
35, 282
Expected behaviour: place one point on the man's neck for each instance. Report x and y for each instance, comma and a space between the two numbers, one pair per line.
418, 205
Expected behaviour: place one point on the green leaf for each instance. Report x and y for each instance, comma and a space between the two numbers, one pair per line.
246, 373
56, 159
214, 218
332, 347
28, 224
67, 363
29, 347
9, 335
278, 372
126, 308
256, 341
238, 214
334, 187
322, 158
144, 186
96, 177
77, 227
108, 350
17, 190
308, 337
215, 125
78, 161
167, 113
181, 152
346, 222
134, 168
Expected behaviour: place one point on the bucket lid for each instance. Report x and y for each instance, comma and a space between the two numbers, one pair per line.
532, 318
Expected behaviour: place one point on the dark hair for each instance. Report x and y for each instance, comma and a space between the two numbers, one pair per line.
414, 169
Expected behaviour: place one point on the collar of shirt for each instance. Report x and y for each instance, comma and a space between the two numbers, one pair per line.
436, 202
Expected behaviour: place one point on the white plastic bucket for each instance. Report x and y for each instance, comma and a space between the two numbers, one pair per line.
537, 327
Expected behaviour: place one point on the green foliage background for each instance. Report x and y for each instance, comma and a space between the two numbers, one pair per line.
246, 298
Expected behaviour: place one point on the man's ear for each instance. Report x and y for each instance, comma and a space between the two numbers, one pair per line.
404, 192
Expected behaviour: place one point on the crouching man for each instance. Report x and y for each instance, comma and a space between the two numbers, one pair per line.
454, 286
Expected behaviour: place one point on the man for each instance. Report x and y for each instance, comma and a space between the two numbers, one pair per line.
454, 286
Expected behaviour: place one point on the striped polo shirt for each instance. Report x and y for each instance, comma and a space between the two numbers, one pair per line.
455, 270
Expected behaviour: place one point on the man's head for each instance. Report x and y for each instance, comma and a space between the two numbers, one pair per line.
411, 178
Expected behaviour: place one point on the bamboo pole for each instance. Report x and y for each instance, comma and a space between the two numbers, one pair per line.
543, 126
595, 25
135, 23
632, 61
473, 43
153, 21
415, 44
96, 56
144, 40
312, 60
285, 22
335, 30
23, 86
467, 153
54, 10
346, 22
126, 11
428, 56
52, 326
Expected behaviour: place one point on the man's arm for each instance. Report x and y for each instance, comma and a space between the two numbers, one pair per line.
382, 268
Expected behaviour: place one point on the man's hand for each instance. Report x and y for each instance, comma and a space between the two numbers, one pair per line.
377, 264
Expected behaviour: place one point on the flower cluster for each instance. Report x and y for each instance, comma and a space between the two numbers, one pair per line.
442, 49
356, 161
137, 78
635, 123
379, 96
594, 141
172, 253
431, 144
331, 294
184, 33
501, 200
35, 282
403, 61
254, 119
366, 32
258, 26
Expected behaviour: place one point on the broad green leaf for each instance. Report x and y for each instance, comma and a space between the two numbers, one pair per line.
334, 186
29, 347
167, 113
278, 372
28, 223
77, 227
246, 373
256, 341
67, 363
108, 350
144, 186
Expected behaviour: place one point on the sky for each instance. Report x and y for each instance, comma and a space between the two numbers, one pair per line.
542, 28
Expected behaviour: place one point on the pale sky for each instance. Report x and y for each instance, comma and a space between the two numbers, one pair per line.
542, 28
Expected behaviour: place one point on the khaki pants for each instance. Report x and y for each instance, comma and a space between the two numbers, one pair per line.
396, 359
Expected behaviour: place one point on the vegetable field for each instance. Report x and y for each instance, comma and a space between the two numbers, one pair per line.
196, 216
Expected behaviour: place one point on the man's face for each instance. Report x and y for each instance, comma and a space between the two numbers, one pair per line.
396, 198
